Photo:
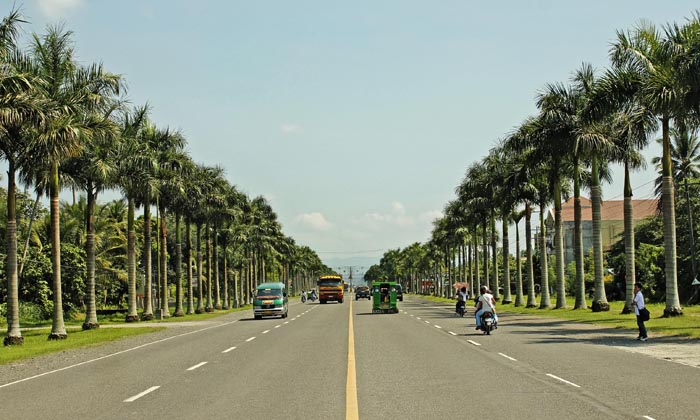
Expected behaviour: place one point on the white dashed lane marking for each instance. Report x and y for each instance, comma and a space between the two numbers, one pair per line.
507, 357
474, 342
266, 331
229, 349
563, 380
250, 339
198, 365
137, 396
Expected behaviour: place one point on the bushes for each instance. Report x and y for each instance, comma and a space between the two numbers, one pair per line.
30, 312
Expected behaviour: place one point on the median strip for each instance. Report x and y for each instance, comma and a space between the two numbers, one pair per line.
137, 396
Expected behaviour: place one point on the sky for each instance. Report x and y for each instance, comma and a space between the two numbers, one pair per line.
356, 120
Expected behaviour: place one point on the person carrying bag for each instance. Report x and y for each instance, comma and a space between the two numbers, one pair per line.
640, 311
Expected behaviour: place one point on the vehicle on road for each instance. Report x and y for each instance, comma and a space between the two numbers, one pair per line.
270, 300
362, 292
461, 308
330, 287
399, 292
488, 323
384, 297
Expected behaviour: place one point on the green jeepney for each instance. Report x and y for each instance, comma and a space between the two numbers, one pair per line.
384, 297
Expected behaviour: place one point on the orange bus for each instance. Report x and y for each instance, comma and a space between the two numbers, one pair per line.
330, 287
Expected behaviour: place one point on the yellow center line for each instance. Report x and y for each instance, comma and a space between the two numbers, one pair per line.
351, 411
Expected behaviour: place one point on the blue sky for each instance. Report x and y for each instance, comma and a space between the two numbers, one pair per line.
357, 120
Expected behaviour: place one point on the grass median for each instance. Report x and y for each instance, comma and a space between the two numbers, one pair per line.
687, 325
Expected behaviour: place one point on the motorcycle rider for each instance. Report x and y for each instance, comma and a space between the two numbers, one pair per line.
313, 295
484, 303
461, 299
303, 296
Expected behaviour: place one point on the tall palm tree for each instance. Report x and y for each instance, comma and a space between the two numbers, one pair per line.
94, 170
656, 82
20, 110
133, 174
75, 95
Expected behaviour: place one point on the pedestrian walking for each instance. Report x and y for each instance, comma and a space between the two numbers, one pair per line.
640, 311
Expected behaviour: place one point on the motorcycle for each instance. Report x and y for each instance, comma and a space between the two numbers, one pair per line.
461, 308
303, 299
488, 323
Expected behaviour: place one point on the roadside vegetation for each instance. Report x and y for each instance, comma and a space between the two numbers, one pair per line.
182, 241
583, 126
658, 325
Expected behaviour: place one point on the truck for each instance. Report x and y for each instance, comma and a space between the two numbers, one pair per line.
331, 287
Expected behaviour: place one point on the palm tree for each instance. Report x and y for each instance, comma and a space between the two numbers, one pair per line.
133, 174
656, 82
20, 109
94, 170
75, 95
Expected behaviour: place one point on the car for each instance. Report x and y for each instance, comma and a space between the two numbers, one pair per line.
399, 293
362, 292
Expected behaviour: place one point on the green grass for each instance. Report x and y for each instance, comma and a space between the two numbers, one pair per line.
37, 344
687, 325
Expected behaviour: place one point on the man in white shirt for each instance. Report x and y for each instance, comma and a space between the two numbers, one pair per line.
486, 302
638, 303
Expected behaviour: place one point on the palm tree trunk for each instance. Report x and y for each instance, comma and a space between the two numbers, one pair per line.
58, 328
559, 247
578, 245
179, 311
217, 285
494, 257
630, 276
519, 298
477, 271
210, 306
486, 257
190, 285
470, 263
545, 301
91, 310
673, 304
132, 315
147, 288
14, 333
531, 297
29, 233
506, 262
200, 272
227, 300
691, 231
600, 301
165, 290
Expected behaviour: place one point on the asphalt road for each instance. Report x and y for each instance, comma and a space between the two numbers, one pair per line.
422, 363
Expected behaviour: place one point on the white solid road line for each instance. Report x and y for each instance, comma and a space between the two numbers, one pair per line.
250, 339
474, 342
507, 357
563, 380
229, 349
115, 354
198, 365
137, 396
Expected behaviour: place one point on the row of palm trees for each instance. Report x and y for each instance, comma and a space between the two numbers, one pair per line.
580, 129
64, 124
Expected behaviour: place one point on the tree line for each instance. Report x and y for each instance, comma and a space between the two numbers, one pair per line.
66, 126
582, 127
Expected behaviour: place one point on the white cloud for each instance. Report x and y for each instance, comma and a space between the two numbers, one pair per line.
291, 128
397, 216
429, 216
314, 220
53, 9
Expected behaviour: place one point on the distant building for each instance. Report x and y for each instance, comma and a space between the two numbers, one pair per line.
612, 223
